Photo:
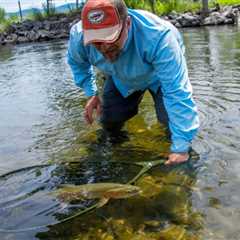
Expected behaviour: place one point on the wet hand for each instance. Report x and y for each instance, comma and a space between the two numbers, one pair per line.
94, 103
175, 158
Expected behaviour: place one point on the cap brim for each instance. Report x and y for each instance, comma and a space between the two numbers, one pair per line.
108, 35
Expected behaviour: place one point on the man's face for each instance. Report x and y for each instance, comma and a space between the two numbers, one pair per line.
111, 51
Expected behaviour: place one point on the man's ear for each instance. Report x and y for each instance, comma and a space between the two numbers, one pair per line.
128, 21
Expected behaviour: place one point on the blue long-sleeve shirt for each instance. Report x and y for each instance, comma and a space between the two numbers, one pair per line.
152, 57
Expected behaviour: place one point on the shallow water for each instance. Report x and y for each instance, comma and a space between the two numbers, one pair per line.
42, 122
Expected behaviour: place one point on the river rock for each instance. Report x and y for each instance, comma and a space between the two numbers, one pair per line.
22, 40
12, 38
38, 25
1, 38
227, 11
27, 25
59, 26
173, 15
46, 25
215, 18
188, 20
33, 36
229, 21
44, 34
12, 28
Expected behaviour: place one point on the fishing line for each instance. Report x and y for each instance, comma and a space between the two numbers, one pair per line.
145, 167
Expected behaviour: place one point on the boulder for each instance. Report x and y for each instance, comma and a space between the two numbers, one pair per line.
44, 34
33, 36
188, 20
46, 25
173, 15
22, 39
12, 38
27, 25
38, 25
215, 18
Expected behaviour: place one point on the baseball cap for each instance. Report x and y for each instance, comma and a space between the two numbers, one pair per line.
100, 21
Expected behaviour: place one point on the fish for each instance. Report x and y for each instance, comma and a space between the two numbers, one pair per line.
102, 191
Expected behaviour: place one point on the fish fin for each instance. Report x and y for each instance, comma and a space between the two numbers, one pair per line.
102, 202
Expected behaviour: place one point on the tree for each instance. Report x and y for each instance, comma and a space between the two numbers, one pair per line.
205, 7
152, 4
2, 14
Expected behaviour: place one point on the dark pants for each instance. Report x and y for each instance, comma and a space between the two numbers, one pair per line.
116, 109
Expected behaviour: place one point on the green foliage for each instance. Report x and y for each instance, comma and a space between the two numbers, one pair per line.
48, 12
228, 2
136, 4
36, 15
162, 7
74, 12
6, 22
2, 15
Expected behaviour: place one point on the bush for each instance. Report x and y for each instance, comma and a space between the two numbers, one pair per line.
2, 15
48, 12
162, 7
228, 2
36, 15
7, 22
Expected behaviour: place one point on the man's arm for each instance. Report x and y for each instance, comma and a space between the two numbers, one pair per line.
82, 70
83, 74
170, 64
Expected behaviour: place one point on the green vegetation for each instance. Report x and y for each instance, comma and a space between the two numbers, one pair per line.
6, 22
36, 15
164, 6
2, 14
228, 2
159, 7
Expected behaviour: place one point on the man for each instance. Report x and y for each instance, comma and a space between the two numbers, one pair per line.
137, 51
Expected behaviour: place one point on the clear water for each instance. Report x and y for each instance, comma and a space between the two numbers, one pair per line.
42, 120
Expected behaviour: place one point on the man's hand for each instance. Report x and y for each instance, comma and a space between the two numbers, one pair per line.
175, 158
93, 103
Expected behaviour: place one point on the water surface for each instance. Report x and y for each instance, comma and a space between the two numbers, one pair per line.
42, 121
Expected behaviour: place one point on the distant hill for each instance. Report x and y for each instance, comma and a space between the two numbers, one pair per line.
60, 9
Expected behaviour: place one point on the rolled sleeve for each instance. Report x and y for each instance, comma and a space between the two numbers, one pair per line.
170, 64
83, 74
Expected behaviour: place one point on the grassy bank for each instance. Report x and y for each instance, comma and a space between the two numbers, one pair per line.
228, 2
160, 7
164, 7
6, 22
36, 15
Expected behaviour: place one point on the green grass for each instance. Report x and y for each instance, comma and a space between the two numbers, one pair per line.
228, 2
36, 15
6, 22
165, 7
178, 6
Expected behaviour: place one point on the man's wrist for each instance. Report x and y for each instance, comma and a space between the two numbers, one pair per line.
180, 146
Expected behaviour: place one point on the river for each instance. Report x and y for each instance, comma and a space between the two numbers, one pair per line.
41, 121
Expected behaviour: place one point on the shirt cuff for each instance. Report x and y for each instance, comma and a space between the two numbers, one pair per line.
180, 146
90, 90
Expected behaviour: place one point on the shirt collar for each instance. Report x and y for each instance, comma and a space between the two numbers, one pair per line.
129, 38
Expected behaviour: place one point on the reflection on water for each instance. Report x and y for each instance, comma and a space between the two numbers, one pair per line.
41, 121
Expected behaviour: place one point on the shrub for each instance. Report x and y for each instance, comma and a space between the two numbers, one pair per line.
2, 15
36, 15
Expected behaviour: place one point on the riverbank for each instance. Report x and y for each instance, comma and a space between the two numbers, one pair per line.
58, 27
